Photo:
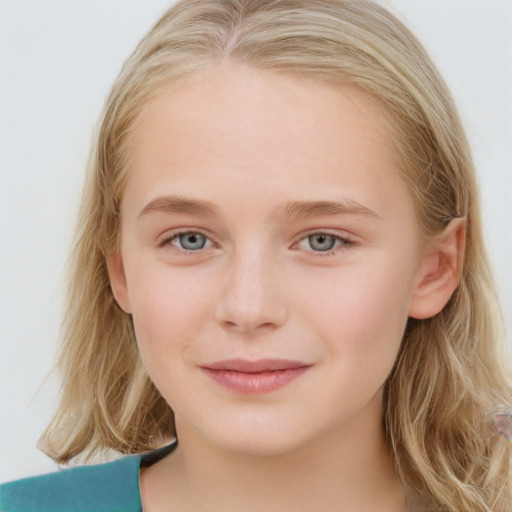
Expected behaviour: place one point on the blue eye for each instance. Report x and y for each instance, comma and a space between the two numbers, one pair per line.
322, 242
190, 241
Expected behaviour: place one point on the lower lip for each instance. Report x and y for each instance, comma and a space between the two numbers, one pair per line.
254, 383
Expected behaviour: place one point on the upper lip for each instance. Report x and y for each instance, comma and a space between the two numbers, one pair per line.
262, 365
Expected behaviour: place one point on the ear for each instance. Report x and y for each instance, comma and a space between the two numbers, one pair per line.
440, 271
118, 281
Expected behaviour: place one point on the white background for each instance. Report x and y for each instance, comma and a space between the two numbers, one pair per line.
57, 61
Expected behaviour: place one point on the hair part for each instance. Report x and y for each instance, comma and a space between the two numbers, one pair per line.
449, 374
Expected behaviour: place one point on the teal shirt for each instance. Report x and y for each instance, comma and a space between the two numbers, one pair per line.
110, 487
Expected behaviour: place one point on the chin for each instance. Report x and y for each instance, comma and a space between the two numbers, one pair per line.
259, 445
250, 435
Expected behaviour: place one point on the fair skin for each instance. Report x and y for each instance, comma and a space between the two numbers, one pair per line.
264, 222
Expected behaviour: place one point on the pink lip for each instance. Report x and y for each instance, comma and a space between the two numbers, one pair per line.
254, 377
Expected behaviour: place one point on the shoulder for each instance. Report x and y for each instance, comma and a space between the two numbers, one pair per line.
112, 487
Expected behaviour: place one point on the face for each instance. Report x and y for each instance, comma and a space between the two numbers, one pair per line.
269, 256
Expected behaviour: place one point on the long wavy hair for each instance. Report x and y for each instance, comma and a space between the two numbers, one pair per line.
448, 377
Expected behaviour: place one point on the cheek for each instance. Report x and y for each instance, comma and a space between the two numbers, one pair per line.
361, 311
167, 316
167, 309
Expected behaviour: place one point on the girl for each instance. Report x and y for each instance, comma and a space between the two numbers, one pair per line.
279, 280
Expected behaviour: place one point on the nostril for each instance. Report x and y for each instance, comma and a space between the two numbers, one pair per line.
247, 321
247, 327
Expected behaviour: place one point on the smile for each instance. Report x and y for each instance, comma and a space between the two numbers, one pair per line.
254, 377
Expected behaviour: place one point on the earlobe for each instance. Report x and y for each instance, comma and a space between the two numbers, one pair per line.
118, 281
440, 271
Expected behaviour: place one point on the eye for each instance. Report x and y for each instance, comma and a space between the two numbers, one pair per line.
323, 243
188, 241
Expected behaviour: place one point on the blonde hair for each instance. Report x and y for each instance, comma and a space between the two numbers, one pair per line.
448, 376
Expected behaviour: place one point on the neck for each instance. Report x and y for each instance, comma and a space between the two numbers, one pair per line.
347, 469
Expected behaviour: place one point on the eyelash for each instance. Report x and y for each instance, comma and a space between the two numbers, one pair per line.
342, 243
170, 237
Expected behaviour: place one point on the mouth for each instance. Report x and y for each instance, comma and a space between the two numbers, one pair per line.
254, 377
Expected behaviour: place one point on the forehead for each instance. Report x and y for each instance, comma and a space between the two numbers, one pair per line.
237, 127
231, 95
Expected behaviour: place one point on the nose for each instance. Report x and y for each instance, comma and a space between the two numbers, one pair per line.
250, 299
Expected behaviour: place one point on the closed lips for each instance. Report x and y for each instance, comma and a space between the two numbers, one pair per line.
263, 365
254, 377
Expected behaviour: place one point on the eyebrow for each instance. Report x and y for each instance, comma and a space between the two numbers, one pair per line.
179, 204
299, 210
294, 211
